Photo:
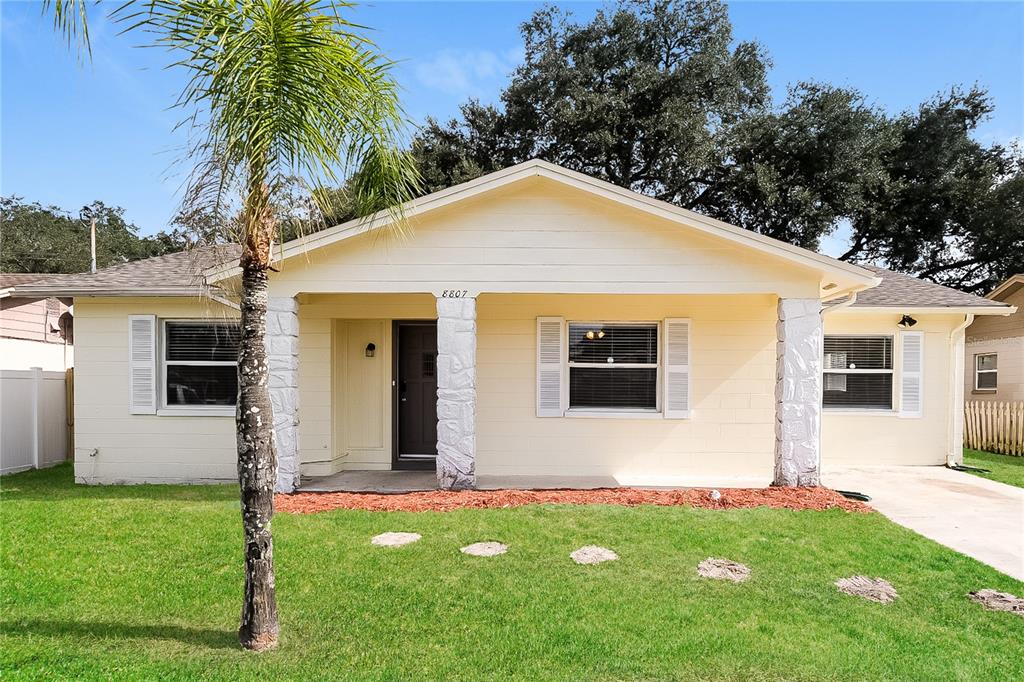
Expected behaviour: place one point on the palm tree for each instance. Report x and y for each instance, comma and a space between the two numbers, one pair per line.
275, 89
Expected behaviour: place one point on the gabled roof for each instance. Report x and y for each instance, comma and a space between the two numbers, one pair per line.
907, 292
851, 276
1004, 290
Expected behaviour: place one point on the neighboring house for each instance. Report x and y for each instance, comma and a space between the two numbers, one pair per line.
995, 348
534, 322
32, 331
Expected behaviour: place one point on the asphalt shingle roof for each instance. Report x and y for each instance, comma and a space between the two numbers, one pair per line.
900, 290
175, 272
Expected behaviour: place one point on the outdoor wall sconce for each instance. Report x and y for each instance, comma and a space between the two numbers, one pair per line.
370, 350
906, 322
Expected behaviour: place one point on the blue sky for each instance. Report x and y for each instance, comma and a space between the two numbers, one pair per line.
71, 133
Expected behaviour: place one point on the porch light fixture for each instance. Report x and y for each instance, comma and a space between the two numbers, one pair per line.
906, 322
370, 350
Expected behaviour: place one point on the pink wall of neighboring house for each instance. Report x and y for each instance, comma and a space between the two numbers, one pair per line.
32, 320
30, 334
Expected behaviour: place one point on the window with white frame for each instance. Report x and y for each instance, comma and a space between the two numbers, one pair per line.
200, 363
986, 372
858, 372
613, 366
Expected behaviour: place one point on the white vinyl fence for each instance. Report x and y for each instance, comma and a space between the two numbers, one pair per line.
34, 426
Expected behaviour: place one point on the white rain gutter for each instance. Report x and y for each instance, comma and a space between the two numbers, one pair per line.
955, 432
842, 304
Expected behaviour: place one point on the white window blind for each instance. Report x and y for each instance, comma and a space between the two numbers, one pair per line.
200, 363
858, 372
613, 366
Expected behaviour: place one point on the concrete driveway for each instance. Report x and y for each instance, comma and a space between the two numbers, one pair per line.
977, 517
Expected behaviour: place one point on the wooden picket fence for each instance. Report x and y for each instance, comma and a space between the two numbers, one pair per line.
994, 426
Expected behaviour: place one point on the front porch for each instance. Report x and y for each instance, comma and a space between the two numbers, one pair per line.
751, 404
397, 482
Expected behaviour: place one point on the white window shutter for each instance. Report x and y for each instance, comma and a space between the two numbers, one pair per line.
677, 369
550, 355
142, 364
911, 374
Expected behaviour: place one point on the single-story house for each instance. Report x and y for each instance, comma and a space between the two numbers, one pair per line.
532, 322
995, 348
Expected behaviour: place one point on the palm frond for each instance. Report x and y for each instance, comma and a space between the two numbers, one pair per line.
71, 19
283, 88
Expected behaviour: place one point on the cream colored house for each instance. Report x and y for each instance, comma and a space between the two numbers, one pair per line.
995, 348
535, 322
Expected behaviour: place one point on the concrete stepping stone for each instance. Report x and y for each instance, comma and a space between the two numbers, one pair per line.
999, 601
391, 539
592, 554
485, 549
872, 589
723, 569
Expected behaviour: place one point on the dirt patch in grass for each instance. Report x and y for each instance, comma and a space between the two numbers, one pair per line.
592, 554
444, 500
872, 589
723, 569
999, 601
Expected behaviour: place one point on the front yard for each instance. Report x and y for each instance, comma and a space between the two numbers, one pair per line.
144, 582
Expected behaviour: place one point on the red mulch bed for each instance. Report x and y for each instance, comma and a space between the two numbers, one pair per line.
732, 498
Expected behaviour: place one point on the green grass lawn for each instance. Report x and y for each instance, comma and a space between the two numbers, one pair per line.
1004, 468
144, 582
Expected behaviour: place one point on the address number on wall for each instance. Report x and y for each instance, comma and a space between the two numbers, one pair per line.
454, 293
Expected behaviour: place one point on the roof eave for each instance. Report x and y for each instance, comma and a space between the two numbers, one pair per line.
79, 292
932, 309
1004, 287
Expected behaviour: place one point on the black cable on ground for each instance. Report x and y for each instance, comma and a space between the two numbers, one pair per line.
854, 495
964, 467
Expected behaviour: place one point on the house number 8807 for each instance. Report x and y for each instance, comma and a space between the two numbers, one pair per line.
454, 293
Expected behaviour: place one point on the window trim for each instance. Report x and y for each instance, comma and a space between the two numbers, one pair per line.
614, 412
163, 409
977, 357
844, 409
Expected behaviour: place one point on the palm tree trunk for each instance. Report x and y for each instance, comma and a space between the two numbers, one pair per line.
257, 464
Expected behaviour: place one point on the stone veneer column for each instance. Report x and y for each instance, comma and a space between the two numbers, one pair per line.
798, 392
456, 393
283, 357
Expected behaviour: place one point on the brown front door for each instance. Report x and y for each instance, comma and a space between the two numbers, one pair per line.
415, 424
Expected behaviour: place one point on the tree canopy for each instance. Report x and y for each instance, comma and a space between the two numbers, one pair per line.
37, 238
656, 96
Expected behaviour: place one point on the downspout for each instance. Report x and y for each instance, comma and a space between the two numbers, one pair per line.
955, 450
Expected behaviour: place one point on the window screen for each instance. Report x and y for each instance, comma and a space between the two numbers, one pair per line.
858, 372
613, 366
200, 363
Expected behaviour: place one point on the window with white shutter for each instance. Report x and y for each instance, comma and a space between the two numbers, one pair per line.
677, 369
200, 363
858, 373
142, 364
550, 360
911, 373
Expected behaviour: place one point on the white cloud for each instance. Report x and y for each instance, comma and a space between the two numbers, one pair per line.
467, 73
